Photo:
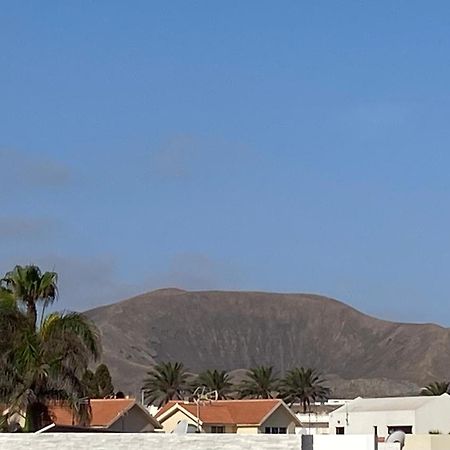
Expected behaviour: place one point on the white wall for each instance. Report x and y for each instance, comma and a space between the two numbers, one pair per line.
131, 441
434, 415
349, 442
363, 422
427, 442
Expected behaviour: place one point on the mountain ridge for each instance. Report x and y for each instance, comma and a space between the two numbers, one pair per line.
232, 330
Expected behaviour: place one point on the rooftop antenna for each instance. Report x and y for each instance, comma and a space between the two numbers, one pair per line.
201, 395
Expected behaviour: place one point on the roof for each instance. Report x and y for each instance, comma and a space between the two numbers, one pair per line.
227, 412
388, 403
104, 412
314, 409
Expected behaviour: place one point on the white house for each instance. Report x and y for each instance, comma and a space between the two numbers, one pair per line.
413, 415
317, 416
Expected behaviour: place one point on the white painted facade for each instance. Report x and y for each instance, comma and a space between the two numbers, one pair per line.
422, 414
316, 419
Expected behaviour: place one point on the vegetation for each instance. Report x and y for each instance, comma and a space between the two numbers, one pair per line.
166, 381
98, 383
169, 381
260, 382
214, 380
90, 383
436, 388
30, 287
104, 381
41, 363
45, 358
303, 386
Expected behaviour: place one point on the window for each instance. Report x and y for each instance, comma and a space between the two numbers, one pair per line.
407, 429
217, 429
340, 430
275, 430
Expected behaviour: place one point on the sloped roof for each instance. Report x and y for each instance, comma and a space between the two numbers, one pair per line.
227, 412
104, 412
388, 403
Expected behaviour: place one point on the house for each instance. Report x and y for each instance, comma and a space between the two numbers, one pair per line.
270, 416
412, 415
316, 420
109, 415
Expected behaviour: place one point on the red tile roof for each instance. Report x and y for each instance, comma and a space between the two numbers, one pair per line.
104, 412
228, 412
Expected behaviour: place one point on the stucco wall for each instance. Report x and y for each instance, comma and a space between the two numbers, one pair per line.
247, 430
280, 418
171, 422
152, 441
149, 441
349, 442
427, 442
134, 421
434, 416
363, 422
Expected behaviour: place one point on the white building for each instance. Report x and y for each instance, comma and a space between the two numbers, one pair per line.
413, 415
317, 416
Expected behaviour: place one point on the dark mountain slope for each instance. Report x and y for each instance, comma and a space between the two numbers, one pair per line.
235, 330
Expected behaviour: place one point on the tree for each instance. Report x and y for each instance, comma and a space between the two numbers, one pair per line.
43, 364
166, 381
98, 384
104, 381
260, 382
303, 385
213, 380
90, 383
30, 286
436, 388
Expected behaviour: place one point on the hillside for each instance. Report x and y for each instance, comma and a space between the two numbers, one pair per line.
234, 330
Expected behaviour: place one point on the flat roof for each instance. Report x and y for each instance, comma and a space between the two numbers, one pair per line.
388, 403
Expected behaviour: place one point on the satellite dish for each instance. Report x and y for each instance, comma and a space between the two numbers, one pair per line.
397, 436
181, 428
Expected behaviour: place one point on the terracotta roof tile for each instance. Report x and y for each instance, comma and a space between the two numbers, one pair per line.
104, 411
243, 412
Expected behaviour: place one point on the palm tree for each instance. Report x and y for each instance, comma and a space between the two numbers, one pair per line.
436, 388
213, 380
43, 364
260, 382
30, 286
166, 381
303, 385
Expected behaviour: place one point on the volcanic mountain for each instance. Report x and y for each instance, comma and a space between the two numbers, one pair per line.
358, 354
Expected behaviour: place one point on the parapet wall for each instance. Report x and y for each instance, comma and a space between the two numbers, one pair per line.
156, 441
147, 441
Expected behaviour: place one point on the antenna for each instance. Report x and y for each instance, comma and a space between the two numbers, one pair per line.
201, 396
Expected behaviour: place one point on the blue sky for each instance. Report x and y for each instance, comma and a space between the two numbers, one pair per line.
281, 146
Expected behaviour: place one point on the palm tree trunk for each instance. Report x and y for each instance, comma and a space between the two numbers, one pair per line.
32, 313
32, 418
37, 416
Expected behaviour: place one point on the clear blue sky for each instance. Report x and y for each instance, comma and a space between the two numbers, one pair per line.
282, 146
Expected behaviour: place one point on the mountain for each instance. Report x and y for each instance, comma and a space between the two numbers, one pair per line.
359, 354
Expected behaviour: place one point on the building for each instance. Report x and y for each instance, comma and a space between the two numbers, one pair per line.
109, 415
230, 416
316, 420
413, 415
